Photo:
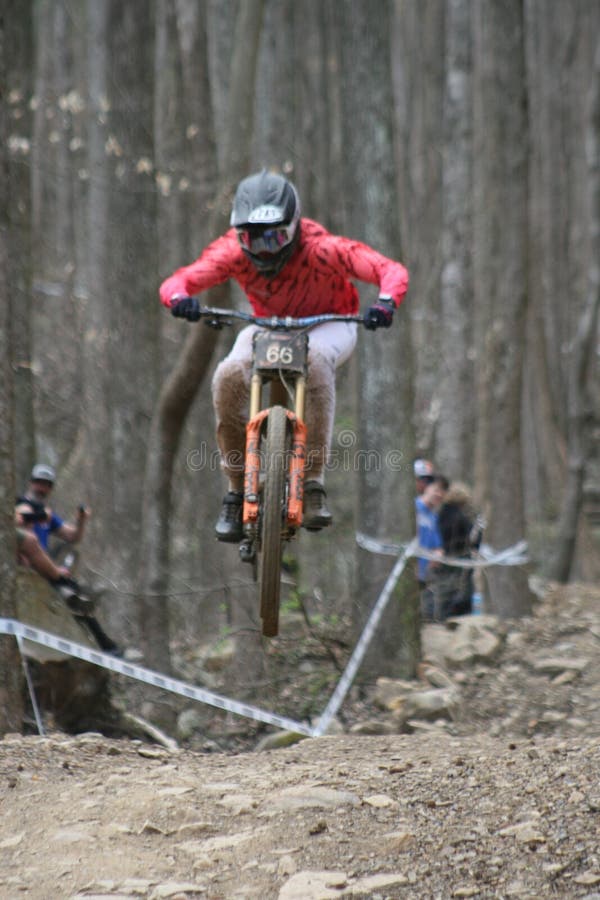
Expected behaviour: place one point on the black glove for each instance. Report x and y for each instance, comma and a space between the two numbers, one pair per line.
380, 314
185, 308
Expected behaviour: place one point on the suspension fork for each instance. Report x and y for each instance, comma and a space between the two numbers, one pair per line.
298, 453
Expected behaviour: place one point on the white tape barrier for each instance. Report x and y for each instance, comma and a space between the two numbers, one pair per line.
337, 698
30, 687
512, 556
486, 556
106, 661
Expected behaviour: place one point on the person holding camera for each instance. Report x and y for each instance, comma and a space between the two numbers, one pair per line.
28, 515
39, 489
30, 552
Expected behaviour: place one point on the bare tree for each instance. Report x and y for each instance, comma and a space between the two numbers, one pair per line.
133, 317
116, 272
581, 403
559, 55
11, 712
500, 278
385, 485
418, 60
18, 98
57, 108
97, 302
456, 389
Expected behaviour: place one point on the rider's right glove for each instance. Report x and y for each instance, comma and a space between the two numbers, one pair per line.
183, 307
380, 315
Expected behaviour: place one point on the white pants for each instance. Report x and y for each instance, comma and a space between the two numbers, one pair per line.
329, 346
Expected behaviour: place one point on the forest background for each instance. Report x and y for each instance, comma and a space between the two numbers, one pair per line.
461, 137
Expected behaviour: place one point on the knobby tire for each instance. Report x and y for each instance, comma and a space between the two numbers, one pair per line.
273, 507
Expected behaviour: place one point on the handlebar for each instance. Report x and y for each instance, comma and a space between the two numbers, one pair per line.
219, 317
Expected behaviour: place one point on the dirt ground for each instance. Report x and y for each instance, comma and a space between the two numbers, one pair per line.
500, 799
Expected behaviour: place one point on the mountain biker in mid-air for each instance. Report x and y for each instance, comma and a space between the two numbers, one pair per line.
287, 265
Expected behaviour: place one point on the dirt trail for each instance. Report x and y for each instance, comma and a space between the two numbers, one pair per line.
505, 802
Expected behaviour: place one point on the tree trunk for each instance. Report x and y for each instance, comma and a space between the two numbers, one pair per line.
133, 317
456, 387
418, 59
57, 160
581, 404
11, 711
95, 377
19, 28
385, 444
560, 55
200, 138
97, 223
500, 277
547, 469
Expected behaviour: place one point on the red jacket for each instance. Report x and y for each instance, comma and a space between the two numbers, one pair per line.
315, 280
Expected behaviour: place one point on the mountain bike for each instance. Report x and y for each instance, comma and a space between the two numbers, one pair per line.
275, 445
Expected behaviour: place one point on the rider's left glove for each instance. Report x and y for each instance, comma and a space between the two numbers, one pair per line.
183, 307
380, 315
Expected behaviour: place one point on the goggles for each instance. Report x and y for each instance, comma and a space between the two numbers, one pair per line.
267, 240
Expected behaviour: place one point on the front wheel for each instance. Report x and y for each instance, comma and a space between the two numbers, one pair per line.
273, 517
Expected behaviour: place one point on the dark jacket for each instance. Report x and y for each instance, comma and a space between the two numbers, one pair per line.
455, 529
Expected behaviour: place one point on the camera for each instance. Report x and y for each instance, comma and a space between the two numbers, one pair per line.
31, 511
35, 516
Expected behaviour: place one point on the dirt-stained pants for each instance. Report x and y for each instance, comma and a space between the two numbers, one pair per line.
329, 346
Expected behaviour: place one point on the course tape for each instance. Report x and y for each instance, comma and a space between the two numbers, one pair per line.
338, 696
485, 556
106, 661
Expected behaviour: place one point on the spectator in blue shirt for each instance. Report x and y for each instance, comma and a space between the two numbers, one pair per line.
429, 537
41, 484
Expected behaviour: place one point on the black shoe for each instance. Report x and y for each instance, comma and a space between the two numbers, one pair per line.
315, 515
229, 524
106, 644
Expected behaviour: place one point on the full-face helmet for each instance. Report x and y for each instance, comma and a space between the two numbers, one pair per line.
266, 216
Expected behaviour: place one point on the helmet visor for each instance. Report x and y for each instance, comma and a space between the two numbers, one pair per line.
267, 240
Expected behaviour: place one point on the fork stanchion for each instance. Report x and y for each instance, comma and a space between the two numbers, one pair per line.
252, 468
296, 472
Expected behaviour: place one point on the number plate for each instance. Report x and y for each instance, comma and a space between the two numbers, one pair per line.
280, 351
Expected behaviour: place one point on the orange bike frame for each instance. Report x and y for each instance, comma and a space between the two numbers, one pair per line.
295, 470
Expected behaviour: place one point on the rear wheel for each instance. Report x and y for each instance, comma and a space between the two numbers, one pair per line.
273, 513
